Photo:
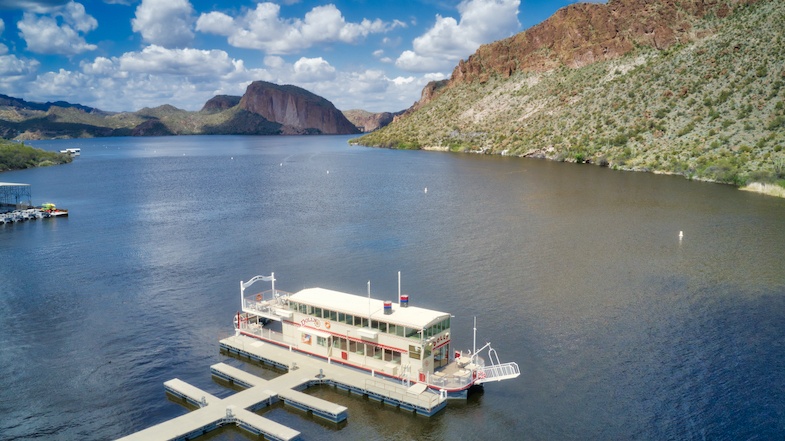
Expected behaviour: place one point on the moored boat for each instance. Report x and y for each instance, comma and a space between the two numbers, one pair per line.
396, 340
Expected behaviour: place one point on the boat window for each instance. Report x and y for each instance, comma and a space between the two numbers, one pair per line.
342, 317
349, 319
333, 315
309, 310
391, 328
412, 333
414, 352
363, 322
375, 324
321, 341
317, 312
400, 330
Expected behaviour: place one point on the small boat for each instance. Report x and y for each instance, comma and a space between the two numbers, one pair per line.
396, 340
72, 152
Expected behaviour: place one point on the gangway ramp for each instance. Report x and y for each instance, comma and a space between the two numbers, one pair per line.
497, 372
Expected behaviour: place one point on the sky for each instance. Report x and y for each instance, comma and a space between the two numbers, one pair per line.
124, 55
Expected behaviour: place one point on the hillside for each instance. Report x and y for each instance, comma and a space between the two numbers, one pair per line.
17, 156
705, 102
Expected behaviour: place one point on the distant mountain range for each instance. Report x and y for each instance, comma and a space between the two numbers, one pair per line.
690, 87
264, 109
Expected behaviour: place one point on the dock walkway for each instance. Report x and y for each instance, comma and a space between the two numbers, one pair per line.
421, 400
303, 371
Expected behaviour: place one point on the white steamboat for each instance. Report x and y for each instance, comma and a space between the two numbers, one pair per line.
402, 342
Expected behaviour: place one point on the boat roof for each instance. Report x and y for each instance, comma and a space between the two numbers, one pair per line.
411, 316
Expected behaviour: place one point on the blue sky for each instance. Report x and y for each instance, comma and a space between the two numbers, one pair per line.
123, 55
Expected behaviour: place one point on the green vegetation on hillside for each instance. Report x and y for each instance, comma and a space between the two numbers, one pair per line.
16, 156
712, 109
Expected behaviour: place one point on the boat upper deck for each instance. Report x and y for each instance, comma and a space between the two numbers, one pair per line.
355, 305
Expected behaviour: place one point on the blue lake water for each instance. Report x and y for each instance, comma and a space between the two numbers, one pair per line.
621, 329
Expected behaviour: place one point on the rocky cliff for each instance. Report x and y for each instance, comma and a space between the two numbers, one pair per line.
584, 33
298, 110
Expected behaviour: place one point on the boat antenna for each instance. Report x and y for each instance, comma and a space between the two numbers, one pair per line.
369, 304
399, 288
474, 340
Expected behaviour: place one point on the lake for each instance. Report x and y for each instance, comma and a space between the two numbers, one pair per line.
621, 329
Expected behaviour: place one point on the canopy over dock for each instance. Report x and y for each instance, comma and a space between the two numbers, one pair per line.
15, 195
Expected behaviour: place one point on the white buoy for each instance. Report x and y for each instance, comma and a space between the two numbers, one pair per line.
681, 235
282, 164
328, 172
426, 189
232, 158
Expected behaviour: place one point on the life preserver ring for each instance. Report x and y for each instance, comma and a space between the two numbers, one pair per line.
258, 297
326, 324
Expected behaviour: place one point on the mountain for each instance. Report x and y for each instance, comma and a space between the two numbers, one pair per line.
690, 87
221, 102
368, 121
7, 101
264, 109
298, 110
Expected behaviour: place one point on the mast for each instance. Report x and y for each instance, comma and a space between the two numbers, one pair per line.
399, 288
474, 340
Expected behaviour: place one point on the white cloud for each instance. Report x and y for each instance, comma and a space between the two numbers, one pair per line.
274, 61
44, 35
2, 26
188, 62
185, 78
308, 70
412, 62
76, 16
449, 40
14, 68
165, 22
263, 28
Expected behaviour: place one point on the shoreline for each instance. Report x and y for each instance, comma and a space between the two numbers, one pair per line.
767, 189
754, 187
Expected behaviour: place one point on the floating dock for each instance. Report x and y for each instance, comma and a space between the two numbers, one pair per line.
303, 371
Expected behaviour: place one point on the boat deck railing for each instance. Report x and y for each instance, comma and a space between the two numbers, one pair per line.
448, 378
266, 302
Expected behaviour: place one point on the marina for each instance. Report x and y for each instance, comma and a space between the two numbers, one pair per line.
30, 214
16, 205
411, 371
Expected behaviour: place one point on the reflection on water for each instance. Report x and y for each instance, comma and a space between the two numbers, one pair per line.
621, 330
